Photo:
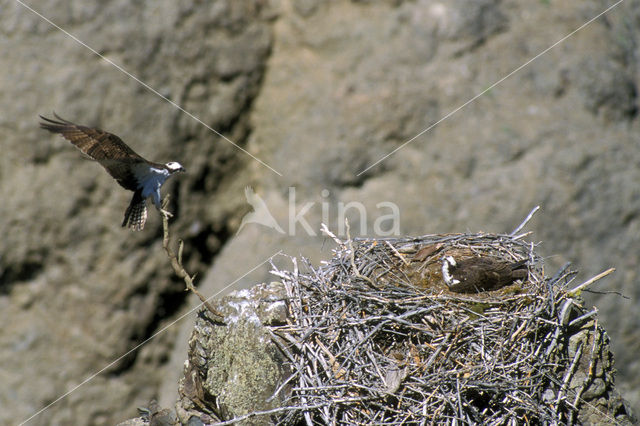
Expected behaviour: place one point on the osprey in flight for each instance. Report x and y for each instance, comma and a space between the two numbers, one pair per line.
131, 171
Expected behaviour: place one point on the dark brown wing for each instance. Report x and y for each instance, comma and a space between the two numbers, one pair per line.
498, 273
490, 274
104, 147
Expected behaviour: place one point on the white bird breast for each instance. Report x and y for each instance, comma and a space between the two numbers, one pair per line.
448, 279
151, 182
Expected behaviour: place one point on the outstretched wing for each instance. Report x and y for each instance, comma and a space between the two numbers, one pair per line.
104, 147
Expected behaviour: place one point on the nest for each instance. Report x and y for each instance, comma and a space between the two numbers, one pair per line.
375, 337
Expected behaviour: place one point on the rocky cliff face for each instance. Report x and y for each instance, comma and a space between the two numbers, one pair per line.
319, 92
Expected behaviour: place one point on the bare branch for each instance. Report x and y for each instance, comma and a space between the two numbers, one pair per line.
176, 264
525, 221
590, 281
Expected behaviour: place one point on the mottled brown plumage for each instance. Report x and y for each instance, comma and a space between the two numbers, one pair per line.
476, 274
128, 168
104, 147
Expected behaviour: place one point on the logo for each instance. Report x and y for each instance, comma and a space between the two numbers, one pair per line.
386, 223
260, 214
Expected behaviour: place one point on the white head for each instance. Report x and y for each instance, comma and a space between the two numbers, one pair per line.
448, 262
174, 166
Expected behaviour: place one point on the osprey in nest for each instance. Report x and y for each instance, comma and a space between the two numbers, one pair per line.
131, 171
476, 274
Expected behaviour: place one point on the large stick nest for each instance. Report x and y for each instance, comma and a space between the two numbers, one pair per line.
376, 337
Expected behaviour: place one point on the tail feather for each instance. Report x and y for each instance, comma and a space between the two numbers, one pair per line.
136, 214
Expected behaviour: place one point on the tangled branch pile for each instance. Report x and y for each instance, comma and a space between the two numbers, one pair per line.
375, 337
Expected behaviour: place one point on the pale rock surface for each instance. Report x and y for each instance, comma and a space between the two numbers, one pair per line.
319, 91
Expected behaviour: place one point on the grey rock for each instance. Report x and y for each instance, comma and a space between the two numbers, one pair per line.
234, 370
608, 88
320, 94
596, 389
78, 292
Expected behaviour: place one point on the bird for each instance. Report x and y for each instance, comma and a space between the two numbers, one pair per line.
476, 274
260, 214
129, 169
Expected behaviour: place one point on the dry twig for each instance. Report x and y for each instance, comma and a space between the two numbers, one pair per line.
178, 268
576, 291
